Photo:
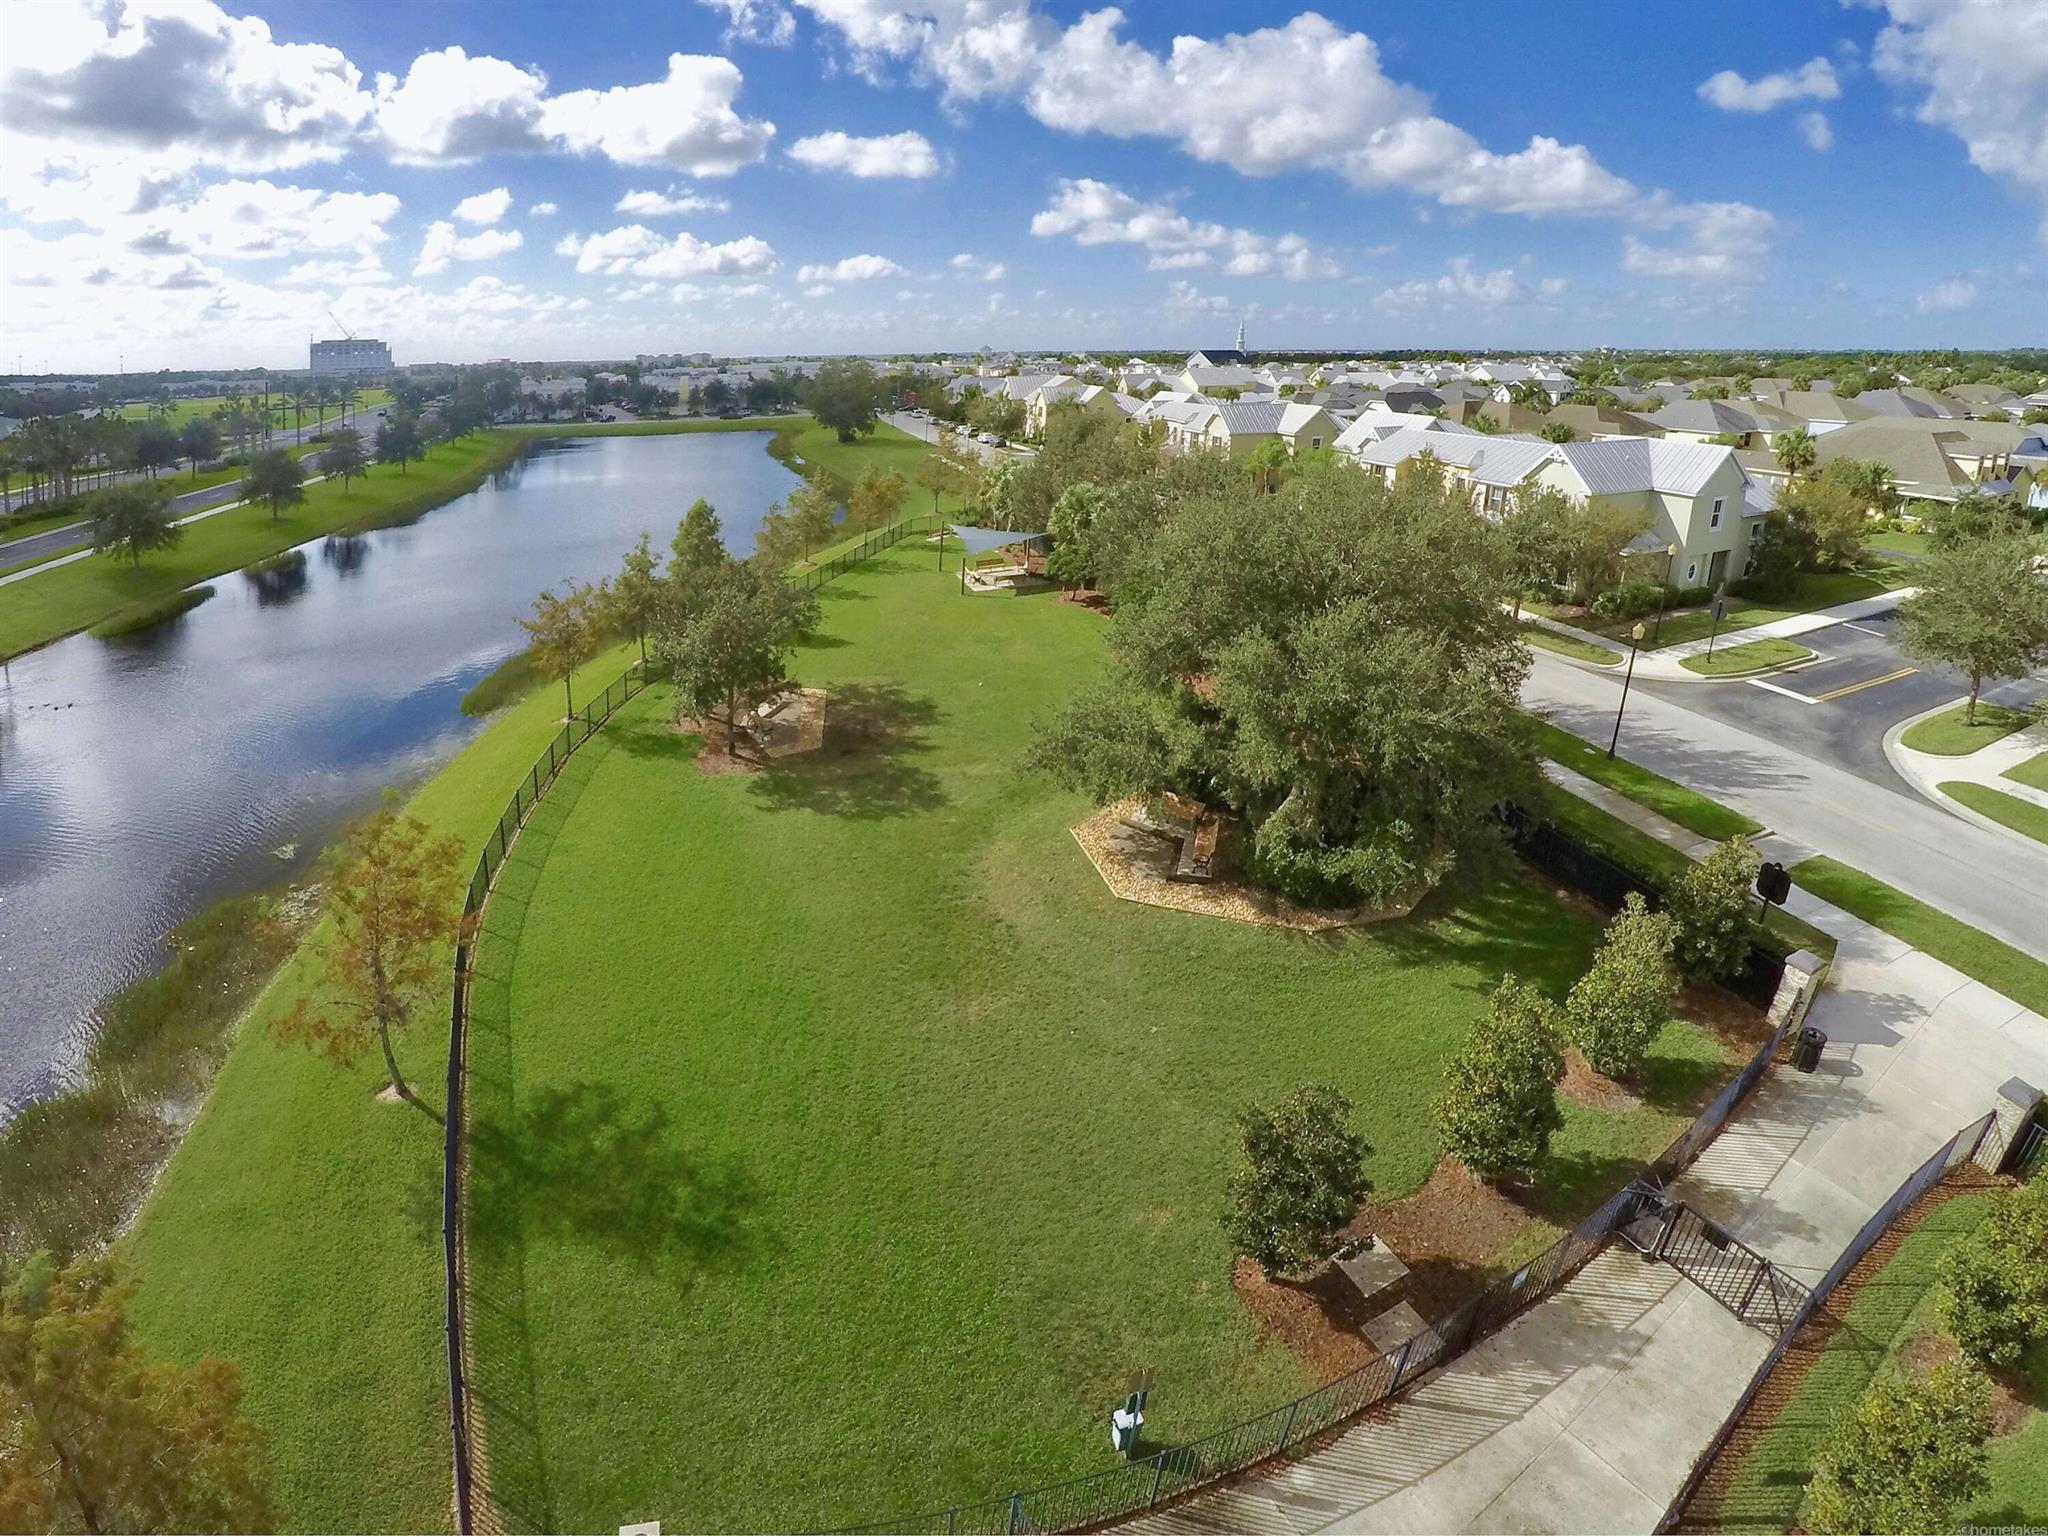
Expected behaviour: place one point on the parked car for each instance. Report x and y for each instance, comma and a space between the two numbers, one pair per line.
988, 437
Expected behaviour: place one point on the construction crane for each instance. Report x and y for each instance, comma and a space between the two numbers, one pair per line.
351, 335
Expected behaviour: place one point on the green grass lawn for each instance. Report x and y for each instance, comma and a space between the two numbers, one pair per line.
1750, 656
297, 1228
2033, 772
2022, 816
1659, 863
1949, 735
85, 592
1889, 1310
171, 483
1816, 589
845, 1144
1970, 950
1566, 645
1912, 546
1691, 810
182, 411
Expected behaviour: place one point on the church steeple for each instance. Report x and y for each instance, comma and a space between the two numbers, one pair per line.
1240, 335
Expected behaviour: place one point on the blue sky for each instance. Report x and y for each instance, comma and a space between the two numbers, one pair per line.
183, 184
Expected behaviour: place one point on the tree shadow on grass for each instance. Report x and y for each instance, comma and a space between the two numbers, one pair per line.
581, 1163
1571, 1185
1683, 1084
655, 735
865, 769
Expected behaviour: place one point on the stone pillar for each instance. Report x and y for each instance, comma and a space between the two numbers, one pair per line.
1797, 988
2014, 1107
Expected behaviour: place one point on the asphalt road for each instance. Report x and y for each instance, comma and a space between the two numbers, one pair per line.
55, 541
927, 429
1837, 709
1757, 763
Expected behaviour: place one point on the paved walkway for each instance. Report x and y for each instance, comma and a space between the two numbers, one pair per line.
1665, 664
1586, 1413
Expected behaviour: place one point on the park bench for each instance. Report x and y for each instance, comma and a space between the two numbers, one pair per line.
1197, 860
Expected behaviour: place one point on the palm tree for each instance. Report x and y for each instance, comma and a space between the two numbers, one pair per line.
1795, 450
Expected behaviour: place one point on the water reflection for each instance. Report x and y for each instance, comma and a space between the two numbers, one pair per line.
218, 753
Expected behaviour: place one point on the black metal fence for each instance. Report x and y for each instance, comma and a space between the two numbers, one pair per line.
1944, 1160
1143, 1484
2028, 1153
871, 544
579, 728
1719, 1263
1695, 1138
1602, 879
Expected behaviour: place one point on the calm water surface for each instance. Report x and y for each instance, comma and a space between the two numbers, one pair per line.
142, 779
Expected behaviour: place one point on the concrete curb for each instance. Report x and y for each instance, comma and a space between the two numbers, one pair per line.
1917, 770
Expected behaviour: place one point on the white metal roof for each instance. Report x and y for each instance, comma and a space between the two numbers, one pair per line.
1616, 465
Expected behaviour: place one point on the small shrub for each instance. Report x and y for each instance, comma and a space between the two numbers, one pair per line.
1628, 600
1692, 597
1617, 1008
1994, 1282
1499, 1108
1714, 910
1298, 1180
1904, 1456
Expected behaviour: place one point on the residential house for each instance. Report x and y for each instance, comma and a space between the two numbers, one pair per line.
1697, 420
1697, 496
1207, 378
1091, 398
1906, 401
1239, 426
1818, 410
1929, 459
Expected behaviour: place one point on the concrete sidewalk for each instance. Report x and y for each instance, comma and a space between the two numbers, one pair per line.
1586, 1413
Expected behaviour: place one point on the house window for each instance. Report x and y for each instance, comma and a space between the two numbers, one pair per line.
1720, 503
1315, 442
1692, 572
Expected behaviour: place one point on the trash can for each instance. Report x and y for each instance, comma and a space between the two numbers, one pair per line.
1806, 1054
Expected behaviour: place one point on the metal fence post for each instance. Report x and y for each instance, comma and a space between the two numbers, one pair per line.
1288, 1428
1016, 1512
1158, 1474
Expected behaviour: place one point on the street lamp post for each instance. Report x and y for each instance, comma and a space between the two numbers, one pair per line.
1664, 592
1635, 638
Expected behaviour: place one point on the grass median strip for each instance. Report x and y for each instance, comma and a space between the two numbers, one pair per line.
76, 596
1975, 953
2033, 772
2022, 816
1750, 656
1567, 645
1951, 734
1691, 810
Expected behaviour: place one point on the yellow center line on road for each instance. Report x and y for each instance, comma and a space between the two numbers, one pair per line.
1868, 682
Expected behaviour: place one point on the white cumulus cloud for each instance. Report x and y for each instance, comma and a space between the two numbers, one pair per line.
634, 250
1461, 286
755, 21
452, 109
1817, 131
906, 154
1981, 67
484, 207
1946, 298
853, 269
667, 204
685, 121
1097, 213
444, 246
1812, 81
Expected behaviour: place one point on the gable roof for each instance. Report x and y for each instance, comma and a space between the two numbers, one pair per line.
1488, 460
1623, 464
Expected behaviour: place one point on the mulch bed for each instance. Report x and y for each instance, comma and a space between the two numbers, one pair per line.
1134, 865
1588, 1086
1319, 1318
788, 735
2010, 1399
